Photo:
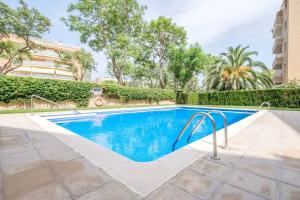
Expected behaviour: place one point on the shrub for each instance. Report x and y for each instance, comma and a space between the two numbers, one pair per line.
20, 89
277, 97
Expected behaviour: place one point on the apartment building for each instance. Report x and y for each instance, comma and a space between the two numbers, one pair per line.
43, 65
286, 34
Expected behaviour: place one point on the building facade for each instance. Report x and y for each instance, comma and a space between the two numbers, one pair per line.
286, 34
43, 62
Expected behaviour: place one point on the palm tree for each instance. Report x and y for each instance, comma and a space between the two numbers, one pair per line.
236, 70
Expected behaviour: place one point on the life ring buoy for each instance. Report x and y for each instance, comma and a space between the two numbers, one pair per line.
99, 101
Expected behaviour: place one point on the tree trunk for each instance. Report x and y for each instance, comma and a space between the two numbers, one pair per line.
117, 73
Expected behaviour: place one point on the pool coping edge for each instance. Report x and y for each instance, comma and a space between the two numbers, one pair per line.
142, 178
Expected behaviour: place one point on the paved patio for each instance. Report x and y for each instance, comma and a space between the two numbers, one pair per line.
263, 163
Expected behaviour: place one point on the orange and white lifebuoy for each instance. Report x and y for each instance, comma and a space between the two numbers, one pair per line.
99, 101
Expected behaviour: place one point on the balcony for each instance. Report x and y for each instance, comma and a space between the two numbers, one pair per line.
277, 48
46, 64
277, 79
278, 25
278, 63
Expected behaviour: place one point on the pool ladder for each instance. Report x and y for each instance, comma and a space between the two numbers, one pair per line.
262, 105
48, 101
213, 122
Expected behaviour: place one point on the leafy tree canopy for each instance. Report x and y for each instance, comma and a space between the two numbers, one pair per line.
185, 63
80, 62
110, 26
24, 23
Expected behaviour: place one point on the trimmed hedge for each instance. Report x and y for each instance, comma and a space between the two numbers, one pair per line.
19, 89
289, 98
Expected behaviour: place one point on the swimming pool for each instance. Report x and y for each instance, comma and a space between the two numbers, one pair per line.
144, 135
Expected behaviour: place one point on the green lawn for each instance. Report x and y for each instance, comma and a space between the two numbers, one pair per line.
67, 109
131, 106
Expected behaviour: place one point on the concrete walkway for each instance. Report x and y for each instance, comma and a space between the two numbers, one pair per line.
263, 162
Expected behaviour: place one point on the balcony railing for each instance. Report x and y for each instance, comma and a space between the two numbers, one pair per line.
33, 63
278, 62
277, 48
278, 27
277, 80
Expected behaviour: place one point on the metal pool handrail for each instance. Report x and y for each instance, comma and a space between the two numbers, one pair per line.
215, 153
47, 100
264, 103
225, 126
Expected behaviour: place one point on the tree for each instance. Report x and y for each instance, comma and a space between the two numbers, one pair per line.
25, 24
186, 63
159, 36
80, 62
110, 26
236, 70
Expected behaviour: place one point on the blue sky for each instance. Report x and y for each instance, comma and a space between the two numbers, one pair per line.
215, 24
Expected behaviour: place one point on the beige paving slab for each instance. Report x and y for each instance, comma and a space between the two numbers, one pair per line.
15, 149
259, 168
49, 191
196, 184
288, 192
111, 191
69, 167
169, 192
212, 169
228, 192
291, 158
289, 176
18, 185
85, 181
17, 163
13, 140
58, 154
253, 183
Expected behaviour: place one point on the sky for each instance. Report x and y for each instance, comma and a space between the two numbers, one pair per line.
214, 24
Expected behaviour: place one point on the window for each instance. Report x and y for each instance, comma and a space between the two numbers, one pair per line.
285, 25
285, 47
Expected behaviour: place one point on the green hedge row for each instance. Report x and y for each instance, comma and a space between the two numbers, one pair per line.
289, 98
19, 89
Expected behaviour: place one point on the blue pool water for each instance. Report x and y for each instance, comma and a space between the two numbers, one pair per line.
144, 135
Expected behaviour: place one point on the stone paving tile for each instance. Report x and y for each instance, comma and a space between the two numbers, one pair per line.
259, 168
253, 183
289, 176
49, 191
291, 158
230, 157
288, 192
14, 140
111, 191
58, 153
14, 149
169, 192
196, 184
228, 192
212, 169
67, 168
269, 156
16, 163
15, 186
85, 181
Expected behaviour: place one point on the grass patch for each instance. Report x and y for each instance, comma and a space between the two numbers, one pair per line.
133, 106
15, 111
